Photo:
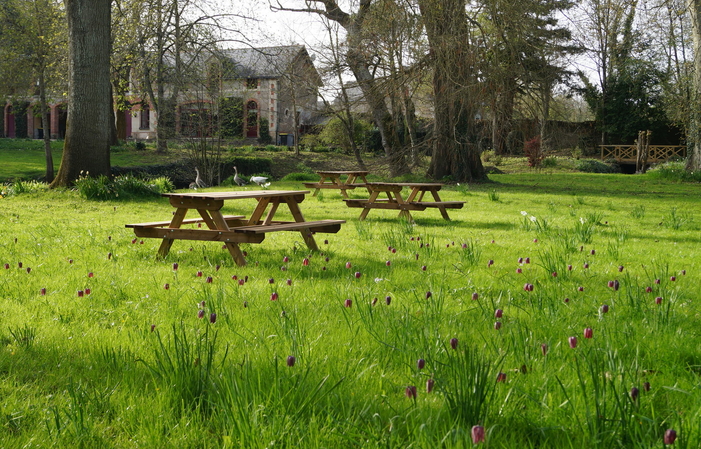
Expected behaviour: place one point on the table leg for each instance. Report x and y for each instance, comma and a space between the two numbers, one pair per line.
373, 197
271, 212
402, 212
219, 222
437, 198
258, 211
176, 222
299, 218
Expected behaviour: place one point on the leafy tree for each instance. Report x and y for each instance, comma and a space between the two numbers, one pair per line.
335, 134
34, 42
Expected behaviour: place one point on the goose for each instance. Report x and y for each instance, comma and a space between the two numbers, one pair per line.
237, 179
198, 181
260, 180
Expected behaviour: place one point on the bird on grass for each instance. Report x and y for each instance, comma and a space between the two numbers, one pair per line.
198, 181
237, 179
261, 181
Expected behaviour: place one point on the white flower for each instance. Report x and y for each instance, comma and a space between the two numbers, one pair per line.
582, 220
533, 219
524, 213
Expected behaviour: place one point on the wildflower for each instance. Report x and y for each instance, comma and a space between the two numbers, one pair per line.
291, 360
501, 377
421, 363
604, 308
348, 303
669, 436
497, 325
213, 318
524, 213
429, 385
410, 392
498, 313
573, 342
454, 343
588, 332
475, 296
273, 296
477, 434
634, 394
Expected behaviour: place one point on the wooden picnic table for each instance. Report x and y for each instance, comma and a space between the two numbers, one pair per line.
332, 180
395, 201
233, 229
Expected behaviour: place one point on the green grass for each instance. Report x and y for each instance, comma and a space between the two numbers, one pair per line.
25, 159
132, 365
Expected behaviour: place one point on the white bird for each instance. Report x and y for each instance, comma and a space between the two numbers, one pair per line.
237, 179
260, 180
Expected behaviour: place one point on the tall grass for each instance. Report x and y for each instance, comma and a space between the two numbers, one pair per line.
130, 364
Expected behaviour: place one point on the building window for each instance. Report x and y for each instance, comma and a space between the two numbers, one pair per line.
145, 119
251, 83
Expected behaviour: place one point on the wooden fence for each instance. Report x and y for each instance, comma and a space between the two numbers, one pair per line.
628, 153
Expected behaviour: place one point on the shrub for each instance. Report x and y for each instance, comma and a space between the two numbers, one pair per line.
533, 151
550, 162
121, 187
20, 187
488, 155
594, 166
674, 171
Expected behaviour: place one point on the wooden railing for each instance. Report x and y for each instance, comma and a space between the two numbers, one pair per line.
628, 153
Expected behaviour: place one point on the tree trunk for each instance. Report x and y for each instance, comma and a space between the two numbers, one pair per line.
455, 149
693, 162
86, 148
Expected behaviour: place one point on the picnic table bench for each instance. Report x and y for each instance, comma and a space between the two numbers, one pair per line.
233, 229
395, 201
332, 180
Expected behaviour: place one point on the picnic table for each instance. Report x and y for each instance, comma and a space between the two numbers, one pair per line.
233, 229
395, 201
332, 180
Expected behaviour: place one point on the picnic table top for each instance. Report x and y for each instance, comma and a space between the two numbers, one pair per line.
342, 172
236, 194
428, 185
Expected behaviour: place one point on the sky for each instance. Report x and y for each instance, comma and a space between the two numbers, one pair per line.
268, 28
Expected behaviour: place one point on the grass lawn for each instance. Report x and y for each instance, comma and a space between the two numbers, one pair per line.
25, 159
103, 345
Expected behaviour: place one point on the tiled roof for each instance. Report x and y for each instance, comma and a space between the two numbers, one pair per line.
268, 62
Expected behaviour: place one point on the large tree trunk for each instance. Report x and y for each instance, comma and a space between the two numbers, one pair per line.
86, 148
455, 141
693, 162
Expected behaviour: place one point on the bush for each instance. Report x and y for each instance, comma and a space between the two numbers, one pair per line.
19, 187
594, 166
674, 171
533, 151
121, 187
550, 162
